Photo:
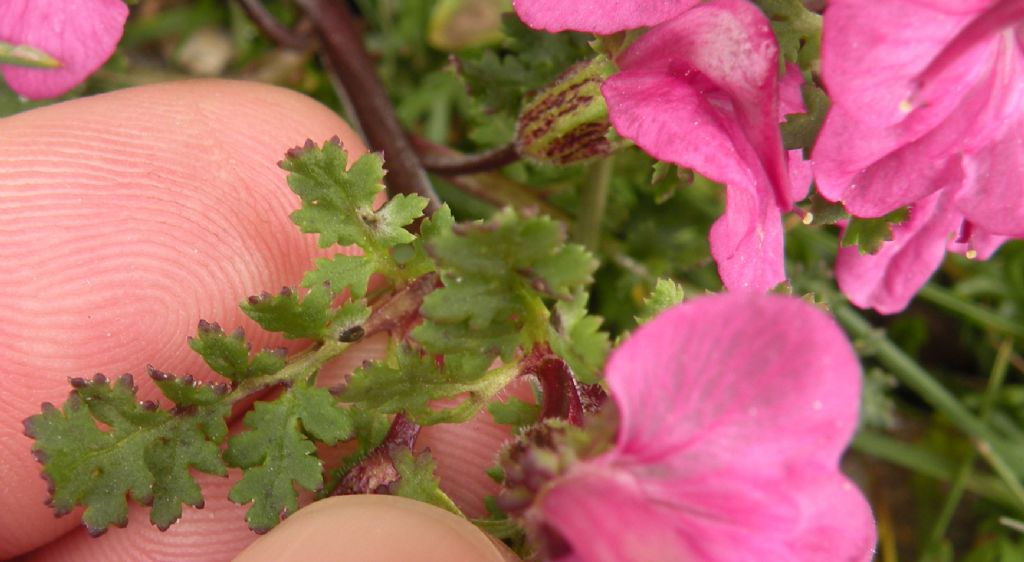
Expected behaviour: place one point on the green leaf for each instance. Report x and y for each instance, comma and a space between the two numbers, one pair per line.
495, 276
145, 452
800, 130
342, 272
338, 204
797, 29
417, 480
577, 337
870, 234
514, 412
228, 355
666, 293
529, 59
276, 452
408, 383
824, 211
286, 313
321, 417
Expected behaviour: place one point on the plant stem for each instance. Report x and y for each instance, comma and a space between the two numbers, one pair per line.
945, 516
272, 28
920, 381
302, 365
451, 163
350, 62
926, 463
978, 315
593, 202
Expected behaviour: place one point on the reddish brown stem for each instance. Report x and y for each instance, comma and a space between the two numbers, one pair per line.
449, 162
272, 28
343, 46
376, 473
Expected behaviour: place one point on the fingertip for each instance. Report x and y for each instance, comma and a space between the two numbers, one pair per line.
373, 528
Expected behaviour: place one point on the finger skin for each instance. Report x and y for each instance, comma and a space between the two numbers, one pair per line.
124, 219
374, 529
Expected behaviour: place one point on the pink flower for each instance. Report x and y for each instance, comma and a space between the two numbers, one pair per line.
81, 34
734, 412
701, 90
929, 112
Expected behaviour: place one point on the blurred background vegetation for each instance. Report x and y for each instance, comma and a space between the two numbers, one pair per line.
941, 449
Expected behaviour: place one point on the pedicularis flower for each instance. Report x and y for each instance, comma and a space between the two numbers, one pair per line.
734, 412
80, 34
701, 90
927, 112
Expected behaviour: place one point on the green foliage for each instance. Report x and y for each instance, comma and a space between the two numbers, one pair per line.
870, 234
496, 275
797, 29
417, 480
146, 453
529, 59
667, 293
291, 315
338, 204
277, 451
800, 130
576, 336
228, 355
514, 412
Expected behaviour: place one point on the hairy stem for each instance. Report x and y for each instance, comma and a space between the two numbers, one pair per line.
351, 63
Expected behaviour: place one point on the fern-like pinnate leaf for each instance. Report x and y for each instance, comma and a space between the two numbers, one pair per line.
146, 453
277, 452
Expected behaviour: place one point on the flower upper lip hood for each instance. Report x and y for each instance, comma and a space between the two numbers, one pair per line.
734, 411
929, 115
81, 34
701, 90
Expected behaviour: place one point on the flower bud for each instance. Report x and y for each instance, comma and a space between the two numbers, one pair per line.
567, 122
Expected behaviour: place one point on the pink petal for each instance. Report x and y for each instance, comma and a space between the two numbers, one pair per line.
598, 16
850, 159
791, 100
836, 521
734, 410
888, 280
700, 91
994, 194
607, 514
980, 245
735, 376
871, 56
81, 34
1001, 16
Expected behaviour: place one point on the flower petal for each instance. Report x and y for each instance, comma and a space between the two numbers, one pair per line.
598, 16
791, 101
700, 91
736, 376
852, 165
606, 514
993, 197
81, 34
871, 57
888, 280
836, 521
